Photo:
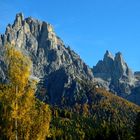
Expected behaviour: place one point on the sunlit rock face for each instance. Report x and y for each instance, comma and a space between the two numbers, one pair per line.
61, 70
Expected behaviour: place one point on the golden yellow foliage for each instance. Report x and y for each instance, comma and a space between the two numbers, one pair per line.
19, 66
21, 114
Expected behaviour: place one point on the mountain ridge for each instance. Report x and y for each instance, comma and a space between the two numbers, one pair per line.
61, 70
52, 60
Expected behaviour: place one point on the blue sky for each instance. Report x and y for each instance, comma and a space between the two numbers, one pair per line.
90, 27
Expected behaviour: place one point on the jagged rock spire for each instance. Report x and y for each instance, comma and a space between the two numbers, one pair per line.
116, 72
119, 57
108, 55
19, 19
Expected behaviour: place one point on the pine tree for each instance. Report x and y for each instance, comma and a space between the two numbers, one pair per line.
137, 127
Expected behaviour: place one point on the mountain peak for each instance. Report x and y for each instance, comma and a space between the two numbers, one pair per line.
116, 71
119, 53
108, 55
57, 66
20, 15
18, 20
119, 56
120, 61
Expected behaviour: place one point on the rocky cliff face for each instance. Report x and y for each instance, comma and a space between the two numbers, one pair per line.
61, 71
116, 73
59, 68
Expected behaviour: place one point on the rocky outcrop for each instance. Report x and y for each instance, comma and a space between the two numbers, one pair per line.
135, 93
104, 68
116, 73
60, 69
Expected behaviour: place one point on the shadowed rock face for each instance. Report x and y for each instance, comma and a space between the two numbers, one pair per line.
135, 94
115, 71
59, 68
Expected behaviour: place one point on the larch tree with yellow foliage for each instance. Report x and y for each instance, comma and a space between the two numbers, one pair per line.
22, 116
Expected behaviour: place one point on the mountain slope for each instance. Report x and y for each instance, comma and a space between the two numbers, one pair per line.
60, 70
105, 116
57, 65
